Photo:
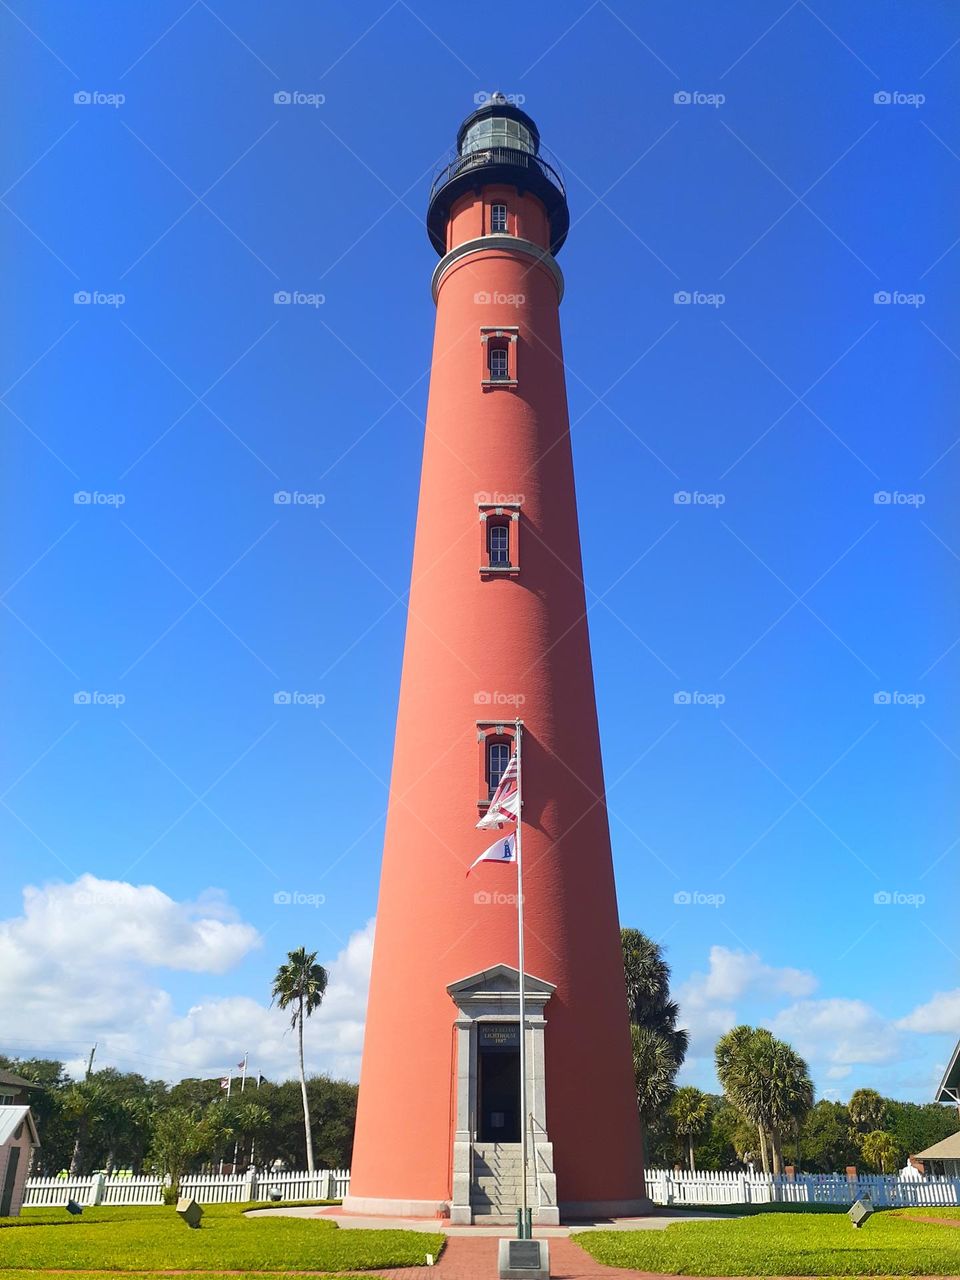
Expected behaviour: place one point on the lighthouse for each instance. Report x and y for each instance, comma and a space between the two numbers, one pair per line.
497, 648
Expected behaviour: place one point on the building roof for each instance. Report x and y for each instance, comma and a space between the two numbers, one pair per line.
11, 1118
949, 1089
16, 1082
947, 1149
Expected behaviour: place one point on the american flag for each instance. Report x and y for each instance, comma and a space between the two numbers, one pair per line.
505, 805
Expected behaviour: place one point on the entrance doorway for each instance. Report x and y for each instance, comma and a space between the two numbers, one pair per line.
498, 1081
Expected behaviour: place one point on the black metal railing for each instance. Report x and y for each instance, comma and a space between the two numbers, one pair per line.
495, 156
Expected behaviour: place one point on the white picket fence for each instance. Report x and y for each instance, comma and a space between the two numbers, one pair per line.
669, 1186
207, 1188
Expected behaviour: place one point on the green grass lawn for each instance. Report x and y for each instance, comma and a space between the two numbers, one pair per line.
788, 1244
148, 1238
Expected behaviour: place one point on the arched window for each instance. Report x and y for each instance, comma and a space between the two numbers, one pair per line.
498, 757
499, 363
498, 544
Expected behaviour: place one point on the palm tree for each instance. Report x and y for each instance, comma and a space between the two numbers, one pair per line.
653, 1070
300, 985
880, 1150
690, 1112
648, 991
179, 1137
867, 1110
88, 1102
767, 1082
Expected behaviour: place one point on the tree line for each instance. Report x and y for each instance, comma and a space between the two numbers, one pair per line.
766, 1115
113, 1120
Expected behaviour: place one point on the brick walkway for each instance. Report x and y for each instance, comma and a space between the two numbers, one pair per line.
467, 1258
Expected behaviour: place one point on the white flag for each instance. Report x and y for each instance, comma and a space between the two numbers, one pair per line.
504, 850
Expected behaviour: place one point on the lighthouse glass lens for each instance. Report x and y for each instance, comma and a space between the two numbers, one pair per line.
497, 131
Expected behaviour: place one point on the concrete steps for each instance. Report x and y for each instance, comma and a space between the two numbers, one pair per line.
495, 1188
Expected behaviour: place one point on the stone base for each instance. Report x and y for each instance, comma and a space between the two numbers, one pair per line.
571, 1210
387, 1208
534, 1266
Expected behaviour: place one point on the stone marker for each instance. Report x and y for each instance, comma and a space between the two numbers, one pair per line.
860, 1211
189, 1211
523, 1259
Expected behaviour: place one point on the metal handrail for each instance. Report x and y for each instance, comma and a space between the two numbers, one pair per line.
495, 155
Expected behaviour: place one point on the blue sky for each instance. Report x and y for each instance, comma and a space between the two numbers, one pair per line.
783, 195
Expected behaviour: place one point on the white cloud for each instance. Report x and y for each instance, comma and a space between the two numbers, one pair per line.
837, 1031
706, 1000
941, 1014
733, 974
81, 965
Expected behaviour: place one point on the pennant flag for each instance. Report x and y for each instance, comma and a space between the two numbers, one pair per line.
504, 850
505, 805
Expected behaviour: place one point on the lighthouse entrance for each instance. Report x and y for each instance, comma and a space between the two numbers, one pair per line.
498, 1081
486, 1165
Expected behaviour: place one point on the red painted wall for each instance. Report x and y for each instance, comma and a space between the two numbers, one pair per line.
467, 637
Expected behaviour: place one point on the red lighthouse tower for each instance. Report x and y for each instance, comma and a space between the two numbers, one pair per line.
497, 633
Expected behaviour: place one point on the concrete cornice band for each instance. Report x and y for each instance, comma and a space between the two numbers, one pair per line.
512, 244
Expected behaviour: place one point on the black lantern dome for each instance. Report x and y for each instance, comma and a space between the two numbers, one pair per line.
498, 143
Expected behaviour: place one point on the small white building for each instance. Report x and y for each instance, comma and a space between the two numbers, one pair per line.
18, 1138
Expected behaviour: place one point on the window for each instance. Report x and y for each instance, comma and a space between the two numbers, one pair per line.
498, 545
498, 217
499, 364
498, 757
499, 549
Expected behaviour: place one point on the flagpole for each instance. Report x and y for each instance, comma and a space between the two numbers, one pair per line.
523, 1018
